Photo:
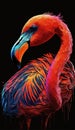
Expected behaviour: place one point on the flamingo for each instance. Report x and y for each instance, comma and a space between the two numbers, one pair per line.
45, 84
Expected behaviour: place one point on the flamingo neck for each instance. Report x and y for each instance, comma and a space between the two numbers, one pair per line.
63, 55
64, 52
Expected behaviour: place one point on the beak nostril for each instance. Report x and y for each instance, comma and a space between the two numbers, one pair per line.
29, 43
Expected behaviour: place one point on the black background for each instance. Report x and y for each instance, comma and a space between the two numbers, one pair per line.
12, 18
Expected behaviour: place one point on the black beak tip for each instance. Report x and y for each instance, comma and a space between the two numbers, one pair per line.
19, 65
16, 62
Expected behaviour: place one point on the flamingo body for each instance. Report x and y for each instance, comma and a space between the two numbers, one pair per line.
26, 88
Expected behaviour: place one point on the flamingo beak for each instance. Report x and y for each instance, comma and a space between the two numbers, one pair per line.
22, 44
20, 52
20, 47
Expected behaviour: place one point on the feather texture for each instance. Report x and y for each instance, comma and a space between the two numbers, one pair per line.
26, 86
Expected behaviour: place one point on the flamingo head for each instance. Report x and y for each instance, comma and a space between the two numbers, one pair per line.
36, 31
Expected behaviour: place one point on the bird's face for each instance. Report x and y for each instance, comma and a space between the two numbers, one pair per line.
36, 31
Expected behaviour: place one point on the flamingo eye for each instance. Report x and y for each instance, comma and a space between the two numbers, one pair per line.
33, 28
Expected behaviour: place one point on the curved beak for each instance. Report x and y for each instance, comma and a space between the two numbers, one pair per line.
20, 47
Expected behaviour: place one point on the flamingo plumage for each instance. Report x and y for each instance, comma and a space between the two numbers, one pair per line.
44, 84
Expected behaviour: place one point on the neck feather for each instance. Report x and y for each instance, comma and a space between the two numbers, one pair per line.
63, 55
